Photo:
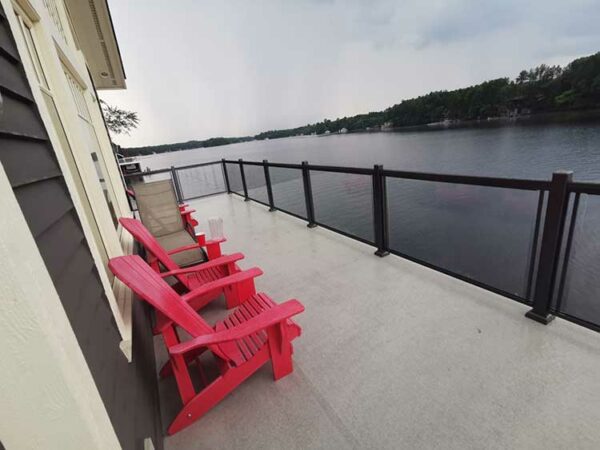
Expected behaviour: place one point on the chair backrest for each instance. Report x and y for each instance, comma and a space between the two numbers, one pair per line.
136, 274
158, 207
144, 237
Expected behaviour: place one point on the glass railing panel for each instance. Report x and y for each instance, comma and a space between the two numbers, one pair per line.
581, 292
482, 233
255, 182
235, 177
201, 181
288, 190
344, 201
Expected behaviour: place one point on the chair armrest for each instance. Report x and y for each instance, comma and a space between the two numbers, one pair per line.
213, 248
267, 318
196, 245
237, 277
221, 261
215, 241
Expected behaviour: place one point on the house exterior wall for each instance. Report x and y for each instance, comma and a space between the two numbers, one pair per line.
61, 86
72, 386
48, 396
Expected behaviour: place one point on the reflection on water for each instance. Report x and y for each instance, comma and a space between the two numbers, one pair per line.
482, 233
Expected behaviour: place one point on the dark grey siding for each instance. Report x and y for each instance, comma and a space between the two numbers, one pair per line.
129, 391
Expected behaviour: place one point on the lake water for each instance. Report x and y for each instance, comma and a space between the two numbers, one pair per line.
532, 151
483, 233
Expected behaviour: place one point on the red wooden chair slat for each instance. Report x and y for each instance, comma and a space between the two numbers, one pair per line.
249, 345
241, 343
259, 331
255, 338
250, 308
232, 348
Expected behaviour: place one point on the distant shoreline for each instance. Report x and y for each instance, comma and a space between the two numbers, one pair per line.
522, 119
542, 118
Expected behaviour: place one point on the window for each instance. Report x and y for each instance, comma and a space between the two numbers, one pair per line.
55, 16
93, 146
64, 142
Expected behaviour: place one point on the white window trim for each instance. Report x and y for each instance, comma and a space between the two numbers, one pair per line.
74, 61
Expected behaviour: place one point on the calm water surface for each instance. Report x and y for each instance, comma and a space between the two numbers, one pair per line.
486, 234
532, 151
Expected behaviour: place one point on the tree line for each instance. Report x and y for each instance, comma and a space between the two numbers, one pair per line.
212, 142
541, 89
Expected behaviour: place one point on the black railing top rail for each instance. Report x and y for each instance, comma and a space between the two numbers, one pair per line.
584, 187
157, 171
204, 164
149, 172
512, 183
322, 168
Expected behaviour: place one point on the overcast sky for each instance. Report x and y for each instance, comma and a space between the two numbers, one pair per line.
200, 69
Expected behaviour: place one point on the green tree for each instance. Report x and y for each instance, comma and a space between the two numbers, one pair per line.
523, 77
118, 120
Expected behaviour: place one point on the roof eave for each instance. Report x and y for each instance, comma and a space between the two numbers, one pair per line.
95, 34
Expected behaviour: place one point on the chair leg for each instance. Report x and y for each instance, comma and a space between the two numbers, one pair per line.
167, 369
280, 349
179, 366
211, 395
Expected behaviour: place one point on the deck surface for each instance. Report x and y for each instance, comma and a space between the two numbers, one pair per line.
393, 355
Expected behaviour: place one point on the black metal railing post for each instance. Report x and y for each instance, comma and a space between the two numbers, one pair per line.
380, 219
308, 197
175, 178
243, 175
226, 176
554, 224
269, 187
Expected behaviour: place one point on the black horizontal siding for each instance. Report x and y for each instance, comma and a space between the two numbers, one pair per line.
28, 161
129, 391
47, 200
7, 45
12, 76
22, 120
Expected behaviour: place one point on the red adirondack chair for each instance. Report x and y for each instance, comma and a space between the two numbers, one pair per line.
259, 330
194, 276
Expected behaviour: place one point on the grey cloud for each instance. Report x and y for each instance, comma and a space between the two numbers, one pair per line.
198, 69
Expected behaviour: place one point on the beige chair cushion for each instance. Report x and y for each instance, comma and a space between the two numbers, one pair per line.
181, 239
158, 207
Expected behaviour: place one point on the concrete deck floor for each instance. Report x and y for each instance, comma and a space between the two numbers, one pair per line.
393, 355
